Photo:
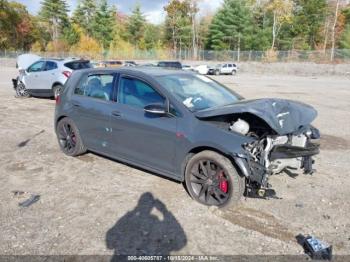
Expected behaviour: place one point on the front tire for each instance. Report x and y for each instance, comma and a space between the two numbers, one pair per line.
234, 72
21, 90
69, 138
212, 180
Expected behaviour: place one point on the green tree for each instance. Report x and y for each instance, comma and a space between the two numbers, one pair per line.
309, 18
136, 25
178, 26
84, 15
345, 40
103, 23
261, 33
71, 35
18, 29
54, 14
152, 36
281, 11
232, 26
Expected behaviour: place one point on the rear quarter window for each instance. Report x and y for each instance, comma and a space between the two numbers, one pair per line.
78, 65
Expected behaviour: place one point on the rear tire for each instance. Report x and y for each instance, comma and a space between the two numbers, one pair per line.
57, 90
69, 138
217, 73
212, 180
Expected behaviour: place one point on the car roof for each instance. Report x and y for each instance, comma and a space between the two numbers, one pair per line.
150, 71
64, 60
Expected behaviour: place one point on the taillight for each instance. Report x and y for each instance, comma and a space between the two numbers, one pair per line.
67, 73
58, 100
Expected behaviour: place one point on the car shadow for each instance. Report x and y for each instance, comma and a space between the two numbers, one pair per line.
135, 167
149, 229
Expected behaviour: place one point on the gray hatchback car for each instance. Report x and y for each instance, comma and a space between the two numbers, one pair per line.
186, 127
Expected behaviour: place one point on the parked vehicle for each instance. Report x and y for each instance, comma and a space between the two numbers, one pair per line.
187, 68
44, 77
202, 69
130, 63
170, 64
112, 63
223, 69
97, 64
187, 127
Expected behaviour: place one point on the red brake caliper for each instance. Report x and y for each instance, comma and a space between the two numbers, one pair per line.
223, 183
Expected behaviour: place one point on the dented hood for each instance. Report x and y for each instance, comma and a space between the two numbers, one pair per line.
283, 116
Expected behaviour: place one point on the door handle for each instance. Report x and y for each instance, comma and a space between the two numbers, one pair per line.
76, 105
116, 114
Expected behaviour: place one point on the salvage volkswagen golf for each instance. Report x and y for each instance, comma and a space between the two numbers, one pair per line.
187, 127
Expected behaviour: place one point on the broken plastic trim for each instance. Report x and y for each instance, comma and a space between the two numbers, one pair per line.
15, 83
289, 151
252, 170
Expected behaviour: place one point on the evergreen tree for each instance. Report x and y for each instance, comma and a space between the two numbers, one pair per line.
54, 14
84, 15
231, 27
152, 36
103, 24
309, 18
345, 40
136, 25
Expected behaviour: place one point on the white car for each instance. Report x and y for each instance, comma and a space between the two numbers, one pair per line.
202, 69
224, 69
187, 67
44, 77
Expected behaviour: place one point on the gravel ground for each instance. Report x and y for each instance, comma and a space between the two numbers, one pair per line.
93, 205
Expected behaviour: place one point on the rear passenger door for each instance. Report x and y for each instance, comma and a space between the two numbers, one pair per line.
140, 137
51, 74
225, 69
92, 103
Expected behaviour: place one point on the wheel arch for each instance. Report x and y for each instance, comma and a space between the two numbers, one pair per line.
57, 83
59, 119
199, 149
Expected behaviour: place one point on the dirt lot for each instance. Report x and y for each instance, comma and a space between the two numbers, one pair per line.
92, 205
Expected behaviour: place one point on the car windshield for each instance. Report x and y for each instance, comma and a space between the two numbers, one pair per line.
198, 92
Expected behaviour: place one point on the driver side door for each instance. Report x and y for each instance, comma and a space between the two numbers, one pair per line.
141, 137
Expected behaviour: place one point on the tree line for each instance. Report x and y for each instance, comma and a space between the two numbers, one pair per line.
96, 26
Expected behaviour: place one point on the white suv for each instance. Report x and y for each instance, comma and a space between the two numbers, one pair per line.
224, 69
44, 77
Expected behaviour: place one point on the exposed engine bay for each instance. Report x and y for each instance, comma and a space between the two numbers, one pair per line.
271, 153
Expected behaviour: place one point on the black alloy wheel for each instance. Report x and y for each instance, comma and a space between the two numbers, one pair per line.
212, 180
69, 138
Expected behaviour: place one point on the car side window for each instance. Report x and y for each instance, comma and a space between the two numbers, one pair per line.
96, 86
36, 67
136, 93
230, 65
50, 66
225, 66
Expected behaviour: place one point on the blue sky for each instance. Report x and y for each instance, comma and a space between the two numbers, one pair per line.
153, 9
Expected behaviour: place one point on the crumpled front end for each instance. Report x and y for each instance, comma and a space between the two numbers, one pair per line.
284, 138
272, 155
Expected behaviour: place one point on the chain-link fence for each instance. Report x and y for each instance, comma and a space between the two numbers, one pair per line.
7, 58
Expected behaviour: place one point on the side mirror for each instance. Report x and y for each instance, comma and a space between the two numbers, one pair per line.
156, 109
22, 71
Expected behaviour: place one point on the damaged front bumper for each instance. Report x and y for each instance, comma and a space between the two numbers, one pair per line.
15, 83
273, 155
